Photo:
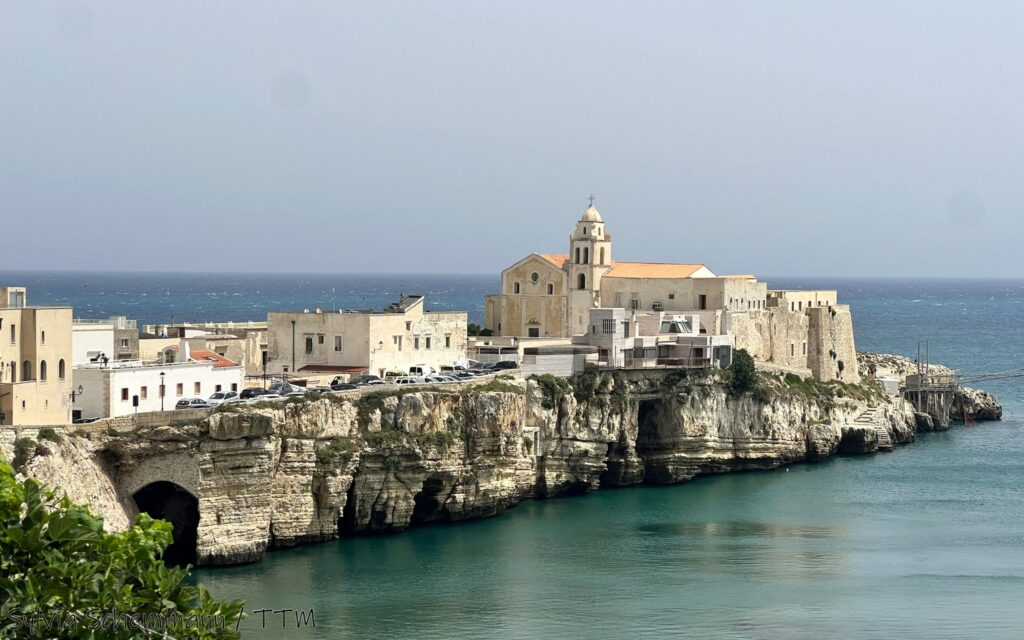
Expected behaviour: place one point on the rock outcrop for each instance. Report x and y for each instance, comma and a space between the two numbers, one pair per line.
277, 475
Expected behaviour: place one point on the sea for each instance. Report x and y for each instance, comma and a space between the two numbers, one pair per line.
925, 542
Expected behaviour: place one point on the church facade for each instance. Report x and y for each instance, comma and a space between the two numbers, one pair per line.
550, 295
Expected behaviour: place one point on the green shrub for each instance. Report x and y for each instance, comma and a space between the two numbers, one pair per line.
743, 374
57, 559
337, 453
554, 389
23, 450
47, 433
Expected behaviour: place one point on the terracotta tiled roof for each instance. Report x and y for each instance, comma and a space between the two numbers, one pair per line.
557, 259
651, 270
202, 355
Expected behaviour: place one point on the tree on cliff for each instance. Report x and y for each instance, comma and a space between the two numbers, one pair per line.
63, 576
742, 373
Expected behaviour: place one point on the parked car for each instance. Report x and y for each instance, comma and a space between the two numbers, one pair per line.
503, 365
266, 397
465, 375
252, 392
365, 379
370, 383
435, 379
344, 386
220, 397
411, 380
84, 420
421, 370
192, 403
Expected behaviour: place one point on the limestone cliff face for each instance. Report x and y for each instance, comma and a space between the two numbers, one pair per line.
305, 471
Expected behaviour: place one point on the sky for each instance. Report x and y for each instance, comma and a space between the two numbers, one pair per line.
789, 137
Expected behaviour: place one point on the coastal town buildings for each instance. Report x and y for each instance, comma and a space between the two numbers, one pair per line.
242, 342
349, 343
35, 361
120, 388
554, 295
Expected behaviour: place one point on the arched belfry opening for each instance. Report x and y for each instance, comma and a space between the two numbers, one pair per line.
167, 501
581, 282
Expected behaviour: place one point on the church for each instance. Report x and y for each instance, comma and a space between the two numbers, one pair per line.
550, 295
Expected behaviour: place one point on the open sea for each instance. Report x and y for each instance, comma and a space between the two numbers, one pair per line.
925, 542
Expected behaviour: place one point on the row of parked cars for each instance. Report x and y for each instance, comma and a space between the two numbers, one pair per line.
280, 390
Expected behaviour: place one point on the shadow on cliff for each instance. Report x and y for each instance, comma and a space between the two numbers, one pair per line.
168, 501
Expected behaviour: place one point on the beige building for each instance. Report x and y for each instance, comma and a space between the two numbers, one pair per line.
35, 354
352, 342
553, 295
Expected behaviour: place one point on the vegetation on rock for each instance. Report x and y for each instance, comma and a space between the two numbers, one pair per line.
62, 575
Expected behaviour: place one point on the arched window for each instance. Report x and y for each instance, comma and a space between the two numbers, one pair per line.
586, 255
551, 289
515, 287
42, 370
602, 256
14, 371
61, 369
582, 282
577, 262
26, 371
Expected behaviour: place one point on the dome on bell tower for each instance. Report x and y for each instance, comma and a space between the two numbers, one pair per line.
591, 214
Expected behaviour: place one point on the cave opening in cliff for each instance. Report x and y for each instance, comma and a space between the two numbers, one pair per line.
167, 501
426, 506
647, 427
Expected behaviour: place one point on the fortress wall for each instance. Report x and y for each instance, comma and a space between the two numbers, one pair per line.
830, 338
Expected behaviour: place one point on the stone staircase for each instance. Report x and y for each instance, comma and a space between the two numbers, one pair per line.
869, 418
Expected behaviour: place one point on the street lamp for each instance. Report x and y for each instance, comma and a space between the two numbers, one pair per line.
162, 374
75, 393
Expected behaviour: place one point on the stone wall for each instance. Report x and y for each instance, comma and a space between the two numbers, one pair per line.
832, 354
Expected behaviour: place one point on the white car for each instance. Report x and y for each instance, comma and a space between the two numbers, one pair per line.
410, 380
266, 397
221, 397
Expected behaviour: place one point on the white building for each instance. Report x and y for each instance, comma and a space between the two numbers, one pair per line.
116, 338
113, 389
642, 339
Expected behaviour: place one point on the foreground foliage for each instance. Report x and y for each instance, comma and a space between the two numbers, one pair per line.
63, 576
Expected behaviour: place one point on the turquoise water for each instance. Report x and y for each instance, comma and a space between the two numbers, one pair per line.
925, 542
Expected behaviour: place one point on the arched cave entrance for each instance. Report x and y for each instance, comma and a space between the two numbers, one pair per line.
168, 501
428, 503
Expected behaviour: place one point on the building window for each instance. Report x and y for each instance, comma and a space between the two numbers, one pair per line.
124, 343
144, 393
608, 326
198, 388
408, 326
234, 386
581, 282
309, 344
515, 287
586, 255
398, 341
61, 369
792, 349
42, 370
320, 339
634, 303
533, 332
416, 342
428, 342
534, 277
179, 389
602, 256
26, 371
577, 255
14, 336
217, 389
337, 343
702, 301
805, 348
671, 296
447, 342
124, 394
42, 337
551, 289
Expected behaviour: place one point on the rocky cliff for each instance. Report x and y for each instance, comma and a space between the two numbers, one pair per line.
277, 475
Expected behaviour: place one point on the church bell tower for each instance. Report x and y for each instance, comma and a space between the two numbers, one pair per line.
590, 257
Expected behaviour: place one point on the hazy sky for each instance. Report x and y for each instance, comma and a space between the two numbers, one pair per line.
773, 137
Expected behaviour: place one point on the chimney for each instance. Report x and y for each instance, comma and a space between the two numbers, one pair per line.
184, 350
